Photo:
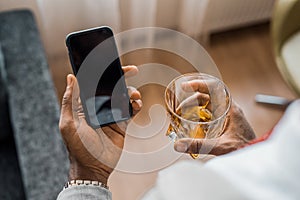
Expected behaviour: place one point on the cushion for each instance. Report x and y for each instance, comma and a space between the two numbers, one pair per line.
33, 107
5, 127
9, 165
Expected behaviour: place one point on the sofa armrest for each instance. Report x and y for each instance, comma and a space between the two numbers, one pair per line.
33, 107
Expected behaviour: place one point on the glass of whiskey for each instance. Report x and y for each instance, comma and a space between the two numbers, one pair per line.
197, 105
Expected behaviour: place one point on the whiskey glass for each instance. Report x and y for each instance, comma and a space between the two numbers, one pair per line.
197, 105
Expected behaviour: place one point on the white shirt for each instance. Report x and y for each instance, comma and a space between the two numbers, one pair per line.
267, 170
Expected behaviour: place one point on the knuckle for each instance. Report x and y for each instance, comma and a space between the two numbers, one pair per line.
195, 146
65, 124
67, 98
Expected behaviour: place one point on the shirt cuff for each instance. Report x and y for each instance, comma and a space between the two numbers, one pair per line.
85, 192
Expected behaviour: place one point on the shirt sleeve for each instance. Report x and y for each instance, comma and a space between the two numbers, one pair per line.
85, 192
266, 170
191, 180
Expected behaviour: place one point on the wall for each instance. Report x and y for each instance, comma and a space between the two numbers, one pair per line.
57, 18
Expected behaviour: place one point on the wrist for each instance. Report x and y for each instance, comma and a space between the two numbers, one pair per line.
79, 172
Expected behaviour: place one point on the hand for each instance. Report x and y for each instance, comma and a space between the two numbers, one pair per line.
93, 154
237, 131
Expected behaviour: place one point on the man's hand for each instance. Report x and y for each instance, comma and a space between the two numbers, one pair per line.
237, 131
93, 153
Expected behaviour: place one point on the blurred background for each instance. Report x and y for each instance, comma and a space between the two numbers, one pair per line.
236, 34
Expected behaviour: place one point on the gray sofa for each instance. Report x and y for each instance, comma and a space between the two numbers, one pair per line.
33, 160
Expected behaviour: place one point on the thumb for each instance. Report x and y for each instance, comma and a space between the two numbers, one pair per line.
66, 122
66, 107
197, 146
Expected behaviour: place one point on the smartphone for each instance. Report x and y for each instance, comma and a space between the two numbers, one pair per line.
95, 62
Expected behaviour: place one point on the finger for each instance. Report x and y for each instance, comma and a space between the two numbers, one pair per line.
80, 112
77, 105
197, 99
117, 129
79, 116
130, 70
195, 85
133, 93
135, 99
137, 105
199, 146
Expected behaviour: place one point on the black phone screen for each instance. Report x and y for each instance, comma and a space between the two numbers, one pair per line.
108, 101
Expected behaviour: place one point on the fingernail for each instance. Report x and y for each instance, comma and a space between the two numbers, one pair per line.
69, 80
181, 147
140, 103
